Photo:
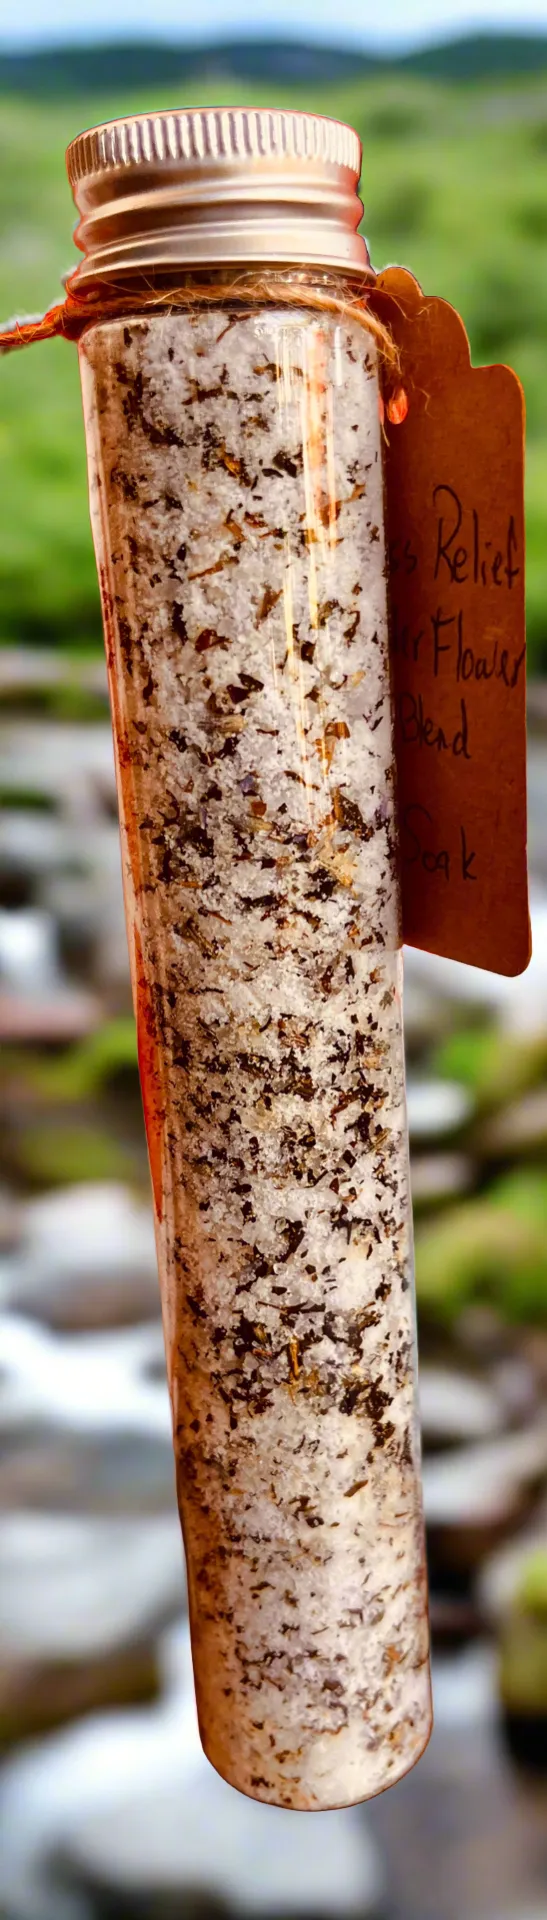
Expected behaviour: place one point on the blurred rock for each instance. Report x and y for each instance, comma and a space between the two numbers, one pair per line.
87, 1257
437, 1177
523, 1008
534, 1349
59, 841
89, 913
436, 1108
453, 985
53, 1468
48, 1019
192, 1904
484, 1335
50, 865
265, 1861
37, 1002
128, 1806
33, 845
11, 1222
518, 1387
464, 1692
520, 1004
78, 911
89, 1383
454, 1620
426, 1016
501, 1578
35, 1698
475, 1495
27, 670
537, 782
520, 1128
456, 1407
462, 1837
28, 951
74, 1588
64, 761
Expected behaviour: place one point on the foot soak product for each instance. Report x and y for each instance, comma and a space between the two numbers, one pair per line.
235, 463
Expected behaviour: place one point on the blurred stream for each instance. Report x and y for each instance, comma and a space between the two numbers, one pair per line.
106, 1803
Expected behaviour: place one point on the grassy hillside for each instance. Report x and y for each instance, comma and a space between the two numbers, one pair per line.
455, 185
80, 69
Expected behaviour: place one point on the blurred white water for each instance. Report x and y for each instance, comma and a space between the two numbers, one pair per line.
131, 1798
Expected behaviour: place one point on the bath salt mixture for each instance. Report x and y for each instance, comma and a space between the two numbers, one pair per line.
236, 495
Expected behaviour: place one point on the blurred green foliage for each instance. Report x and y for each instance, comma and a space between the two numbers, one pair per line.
523, 1642
85, 1069
532, 1591
455, 185
495, 1066
491, 1249
57, 1154
74, 1112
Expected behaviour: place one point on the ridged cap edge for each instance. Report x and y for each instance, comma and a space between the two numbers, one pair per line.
211, 135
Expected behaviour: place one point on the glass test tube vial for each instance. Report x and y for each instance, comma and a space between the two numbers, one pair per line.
235, 471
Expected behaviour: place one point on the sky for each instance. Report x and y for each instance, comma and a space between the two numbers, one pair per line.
397, 23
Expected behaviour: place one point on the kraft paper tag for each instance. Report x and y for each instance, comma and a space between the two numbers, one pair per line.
455, 529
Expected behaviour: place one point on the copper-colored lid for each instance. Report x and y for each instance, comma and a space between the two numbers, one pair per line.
217, 186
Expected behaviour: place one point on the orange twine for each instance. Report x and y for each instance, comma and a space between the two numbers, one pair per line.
79, 310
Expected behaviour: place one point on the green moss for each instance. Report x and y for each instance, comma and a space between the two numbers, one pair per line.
80, 1071
532, 1592
496, 1066
523, 1664
58, 1155
491, 1249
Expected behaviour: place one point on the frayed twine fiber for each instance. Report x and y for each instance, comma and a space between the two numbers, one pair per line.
77, 311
